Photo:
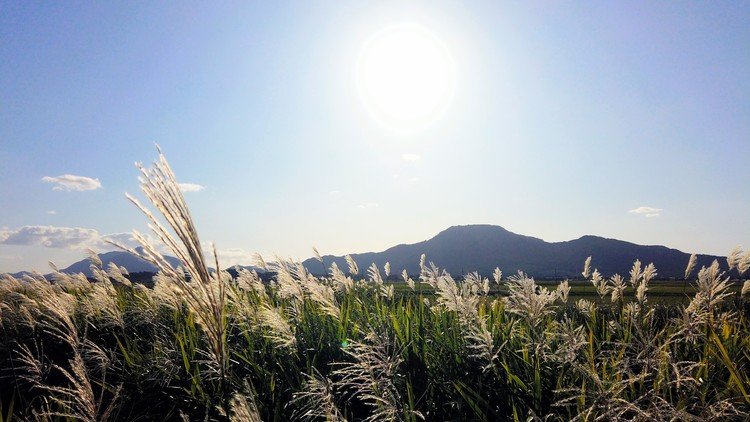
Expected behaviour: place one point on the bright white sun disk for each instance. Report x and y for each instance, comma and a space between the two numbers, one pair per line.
406, 77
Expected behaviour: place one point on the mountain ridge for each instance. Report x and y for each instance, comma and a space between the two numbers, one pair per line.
479, 247
482, 247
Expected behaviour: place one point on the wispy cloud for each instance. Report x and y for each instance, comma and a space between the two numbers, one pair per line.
411, 157
228, 256
647, 211
52, 212
368, 205
69, 182
191, 187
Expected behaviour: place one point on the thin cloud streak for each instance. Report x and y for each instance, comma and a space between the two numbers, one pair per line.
70, 182
191, 187
648, 212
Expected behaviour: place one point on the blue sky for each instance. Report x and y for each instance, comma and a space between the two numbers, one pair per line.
565, 117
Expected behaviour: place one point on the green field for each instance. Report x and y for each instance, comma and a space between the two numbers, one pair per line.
660, 291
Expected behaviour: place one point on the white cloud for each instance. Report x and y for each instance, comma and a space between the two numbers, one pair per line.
52, 212
368, 205
69, 182
67, 238
234, 256
191, 187
647, 211
334, 193
227, 257
125, 239
50, 236
411, 157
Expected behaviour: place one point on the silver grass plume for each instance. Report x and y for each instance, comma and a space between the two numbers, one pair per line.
744, 264
481, 343
649, 273
745, 288
646, 276
599, 283
288, 279
76, 399
243, 409
586, 268
409, 282
454, 298
712, 290
372, 376
563, 290
279, 330
341, 282
635, 274
374, 276
322, 294
249, 281
734, 257
260, 261
691, 265
585, 307
317, 254
497, 275
571, 339
118, 274
316, 400
373, 272
160, 186
617, 288
353, 268
528, 300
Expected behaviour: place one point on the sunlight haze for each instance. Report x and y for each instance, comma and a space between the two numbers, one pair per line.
356, 127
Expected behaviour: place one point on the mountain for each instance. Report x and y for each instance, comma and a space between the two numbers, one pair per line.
462, 249
122, 259
133, 264
20, 274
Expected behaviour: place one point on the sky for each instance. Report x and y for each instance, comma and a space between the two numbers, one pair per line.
625, 120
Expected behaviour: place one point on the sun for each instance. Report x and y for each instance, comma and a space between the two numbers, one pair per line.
406, 77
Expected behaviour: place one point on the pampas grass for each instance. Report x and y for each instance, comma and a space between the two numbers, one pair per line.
286, 344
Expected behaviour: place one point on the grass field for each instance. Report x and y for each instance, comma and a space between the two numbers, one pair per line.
202, 345
660, 291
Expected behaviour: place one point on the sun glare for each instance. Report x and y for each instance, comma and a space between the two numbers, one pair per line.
406, 77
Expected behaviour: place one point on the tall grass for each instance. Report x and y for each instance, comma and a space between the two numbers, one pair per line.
204, 345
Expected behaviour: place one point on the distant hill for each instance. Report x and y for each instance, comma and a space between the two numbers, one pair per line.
462, 249
122, 259
137, 267
20, 274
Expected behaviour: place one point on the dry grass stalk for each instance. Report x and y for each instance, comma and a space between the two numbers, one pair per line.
205, 293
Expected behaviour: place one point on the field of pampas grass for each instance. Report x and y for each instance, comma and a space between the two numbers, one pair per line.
204, 345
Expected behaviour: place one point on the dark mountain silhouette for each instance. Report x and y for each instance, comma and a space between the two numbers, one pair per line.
20, 274
462, 249
138, 268
122, 259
